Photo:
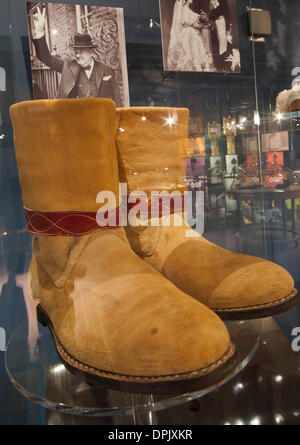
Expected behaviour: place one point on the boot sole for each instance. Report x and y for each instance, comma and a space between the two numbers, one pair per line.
178, 383
260, 311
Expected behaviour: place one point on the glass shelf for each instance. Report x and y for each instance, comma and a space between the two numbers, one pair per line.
41, 377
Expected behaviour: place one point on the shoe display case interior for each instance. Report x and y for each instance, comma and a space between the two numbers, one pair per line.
138, 321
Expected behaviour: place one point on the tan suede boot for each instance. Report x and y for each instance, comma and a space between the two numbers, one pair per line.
110, 313
151, 144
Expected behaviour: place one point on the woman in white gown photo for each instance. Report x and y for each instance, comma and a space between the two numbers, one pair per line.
190, 40
201, 36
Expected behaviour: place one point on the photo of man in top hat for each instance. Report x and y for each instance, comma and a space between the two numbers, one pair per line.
82, 75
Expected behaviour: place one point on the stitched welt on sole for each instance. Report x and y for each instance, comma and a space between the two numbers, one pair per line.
260, 311
293, 294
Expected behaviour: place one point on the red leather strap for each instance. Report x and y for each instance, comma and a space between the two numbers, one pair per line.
66, 223
82, 223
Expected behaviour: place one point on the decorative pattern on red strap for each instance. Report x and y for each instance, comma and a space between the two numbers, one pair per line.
75, 223
66, 223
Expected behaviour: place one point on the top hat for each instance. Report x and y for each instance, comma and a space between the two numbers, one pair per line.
83, 41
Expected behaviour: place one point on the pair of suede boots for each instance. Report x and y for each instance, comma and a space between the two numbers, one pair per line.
128, 304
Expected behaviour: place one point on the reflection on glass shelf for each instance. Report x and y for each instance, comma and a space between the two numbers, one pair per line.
45, 380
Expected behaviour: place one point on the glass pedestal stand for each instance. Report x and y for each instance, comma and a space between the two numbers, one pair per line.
41, 377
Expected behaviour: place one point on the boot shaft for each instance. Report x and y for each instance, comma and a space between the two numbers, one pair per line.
65, 151
152, 148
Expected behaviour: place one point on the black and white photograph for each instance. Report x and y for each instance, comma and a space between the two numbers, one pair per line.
200, 35
77, 51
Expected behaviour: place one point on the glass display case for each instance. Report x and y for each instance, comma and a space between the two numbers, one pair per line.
165, 302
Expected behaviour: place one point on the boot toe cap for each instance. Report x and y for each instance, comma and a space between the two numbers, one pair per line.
254, 283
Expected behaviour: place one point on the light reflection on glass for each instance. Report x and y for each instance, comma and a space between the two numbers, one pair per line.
238, 387
255, 421
256, 118
278, 419
58, 369
170, 121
